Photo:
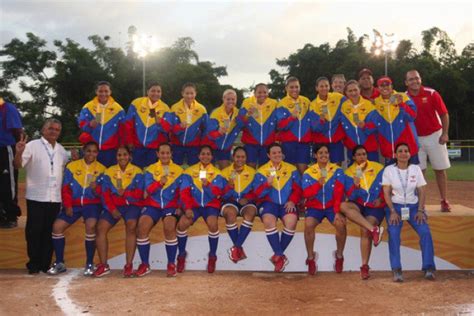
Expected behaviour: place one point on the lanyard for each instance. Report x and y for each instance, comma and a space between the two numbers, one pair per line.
404, 185
51, 157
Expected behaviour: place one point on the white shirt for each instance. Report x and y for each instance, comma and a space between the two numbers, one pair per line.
415, 180
43, 179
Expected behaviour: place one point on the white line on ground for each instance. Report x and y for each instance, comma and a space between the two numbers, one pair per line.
61, 297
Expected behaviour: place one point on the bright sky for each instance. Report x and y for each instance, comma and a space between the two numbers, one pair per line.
245, 36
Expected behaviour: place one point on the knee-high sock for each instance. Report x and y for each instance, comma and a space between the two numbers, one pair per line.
58, 243
171, 248
274, 240
233, 232
143, 246
182, 240
244, 231
213, 241
89, 243
286, 237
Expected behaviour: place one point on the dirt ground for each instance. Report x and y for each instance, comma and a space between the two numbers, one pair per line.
243, 293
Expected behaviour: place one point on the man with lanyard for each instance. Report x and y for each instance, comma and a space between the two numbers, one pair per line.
10, 131
44, 160
432, 125
366, 82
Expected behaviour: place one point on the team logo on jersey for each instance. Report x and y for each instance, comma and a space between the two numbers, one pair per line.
143, 109
196, 111
78, 172
111, 110
424, 100
180, 111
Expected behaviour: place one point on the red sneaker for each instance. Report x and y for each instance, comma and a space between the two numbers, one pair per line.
128, 270
101, 270
280, 263
445, 207
338, 263
364, 272
143, 269
171, 270
377, 234
234, 254
242, 254
181, 263
211, 264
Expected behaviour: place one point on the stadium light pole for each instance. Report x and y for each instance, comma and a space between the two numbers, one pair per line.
384, 43
143, 45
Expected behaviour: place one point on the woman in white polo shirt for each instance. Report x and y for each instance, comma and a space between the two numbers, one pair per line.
404, 190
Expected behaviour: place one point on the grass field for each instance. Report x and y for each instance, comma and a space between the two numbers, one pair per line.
459, 171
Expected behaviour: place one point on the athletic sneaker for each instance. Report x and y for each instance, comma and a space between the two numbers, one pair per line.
242, 254
312, 266
171, 270
143, 269
280, 263
57, 268
181, 263
338, 263
445, 207
234, 254
101, 270
377, 234
211, 264
397, 275
89, 269
429, 275
364, 272
128, 270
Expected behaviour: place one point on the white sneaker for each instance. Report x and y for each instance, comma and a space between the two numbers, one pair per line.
89, 270
57, 268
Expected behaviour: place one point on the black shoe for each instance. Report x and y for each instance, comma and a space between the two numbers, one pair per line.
33, 271
9, 224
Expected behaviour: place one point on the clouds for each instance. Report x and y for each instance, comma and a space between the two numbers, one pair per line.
245, 36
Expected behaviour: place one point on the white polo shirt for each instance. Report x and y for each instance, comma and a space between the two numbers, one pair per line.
415, 180
44, 167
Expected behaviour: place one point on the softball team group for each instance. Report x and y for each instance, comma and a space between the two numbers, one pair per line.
178, 163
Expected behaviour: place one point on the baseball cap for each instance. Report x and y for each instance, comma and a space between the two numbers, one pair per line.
365, 71
383, 80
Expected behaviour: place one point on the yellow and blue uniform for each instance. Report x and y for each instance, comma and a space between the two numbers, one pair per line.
204, 201
259, 130
108, 133
243, 186
143, 132
162, 200
222, 143
76, 193
395, 124
329, 131
185, 140
370, 190
323, 200
295, 132
130, 202
353, 135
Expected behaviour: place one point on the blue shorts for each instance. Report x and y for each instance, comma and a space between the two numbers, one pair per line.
128, 212
205, 212
413, 160
274, 209
336, 152
222, 155
321, 214
157, 213
297, 152
86, 211
188, 153
378, 213
237, 206
143, 157
256, 154
107, 157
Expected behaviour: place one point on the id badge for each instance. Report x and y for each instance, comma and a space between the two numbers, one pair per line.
166, 171
226, 124
325, 110
405, 213
324, 173
356, 118
52, 182
189, 118
202, 174
152, 113
89, 178
98, 117
119, 184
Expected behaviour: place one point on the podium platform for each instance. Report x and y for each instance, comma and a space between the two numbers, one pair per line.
453, 236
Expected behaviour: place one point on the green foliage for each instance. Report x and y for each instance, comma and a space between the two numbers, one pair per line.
439, 65
59, 82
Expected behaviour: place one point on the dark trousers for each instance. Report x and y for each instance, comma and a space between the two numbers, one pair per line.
39, 226
9, 209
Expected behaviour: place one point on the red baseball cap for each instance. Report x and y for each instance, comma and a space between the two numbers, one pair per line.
383, 80
365, 71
